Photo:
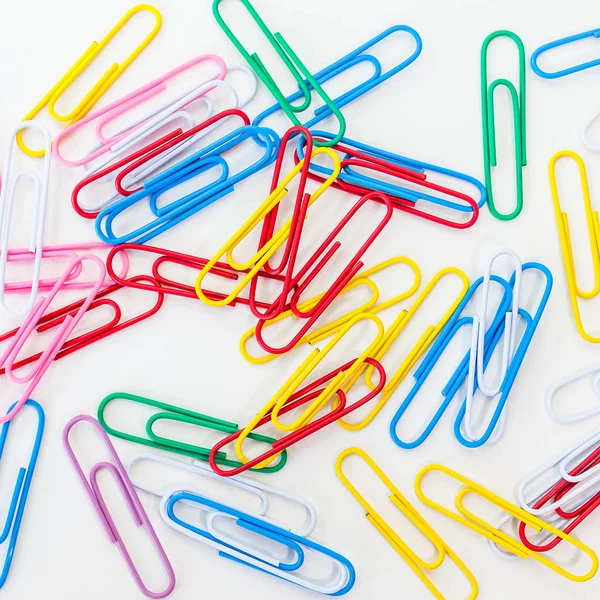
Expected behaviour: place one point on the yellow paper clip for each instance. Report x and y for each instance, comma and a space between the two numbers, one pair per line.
467, 518
277, 402
593, 225
371, 305
417, 564
255, 263
392, 334
113, 73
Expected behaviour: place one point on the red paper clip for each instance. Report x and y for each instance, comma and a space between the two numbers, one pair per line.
143, 155
554, 494
290, 251
367, 161
55, 318
305, 276
301, 397
175, 288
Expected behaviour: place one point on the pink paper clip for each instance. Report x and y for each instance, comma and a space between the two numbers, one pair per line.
134, 100
62, 251
35, 374
140, 517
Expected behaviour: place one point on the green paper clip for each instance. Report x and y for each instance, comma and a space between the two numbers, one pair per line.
181, 415
489, 125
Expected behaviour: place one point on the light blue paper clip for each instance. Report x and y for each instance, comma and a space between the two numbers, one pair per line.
352, 59
251, 556
16, 510
176, 211
595, 33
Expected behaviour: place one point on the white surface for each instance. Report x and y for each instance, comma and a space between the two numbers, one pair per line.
188, 354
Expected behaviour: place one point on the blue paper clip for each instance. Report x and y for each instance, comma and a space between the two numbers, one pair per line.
178, 210
344, 64
508, 380
16, 510
595, 33
452, 327
351, 177
252, 557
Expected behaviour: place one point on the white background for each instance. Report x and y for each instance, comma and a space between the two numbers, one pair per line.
188, 354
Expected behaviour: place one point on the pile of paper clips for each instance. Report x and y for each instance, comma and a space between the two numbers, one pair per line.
153, 167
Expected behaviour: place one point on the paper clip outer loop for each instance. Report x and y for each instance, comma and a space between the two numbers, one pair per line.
113, 73
593, 225
294, 65
552, 389
471, 521
394, 331
417, 564
21, 491
181, 415
489, 126
255, 263
137, 510
595, 33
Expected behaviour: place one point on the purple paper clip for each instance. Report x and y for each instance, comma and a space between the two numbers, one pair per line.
137, 510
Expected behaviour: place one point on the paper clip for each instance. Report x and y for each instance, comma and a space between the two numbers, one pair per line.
111, 327
178, 210
270, 561
35, 374
161, 284
488, 114
417, 564
312, 311
290, 251
441, 343
594, 33
470, 520
169, 412
97, 91
16, 511
256, 488
289, 397
56, 252
393, 333
593, 225
497, 420
563, 503
257, 262
154, 154
593, 372
372, 305
294, 65
358, 56
144, 124
358, 155
117, 470
7, 202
